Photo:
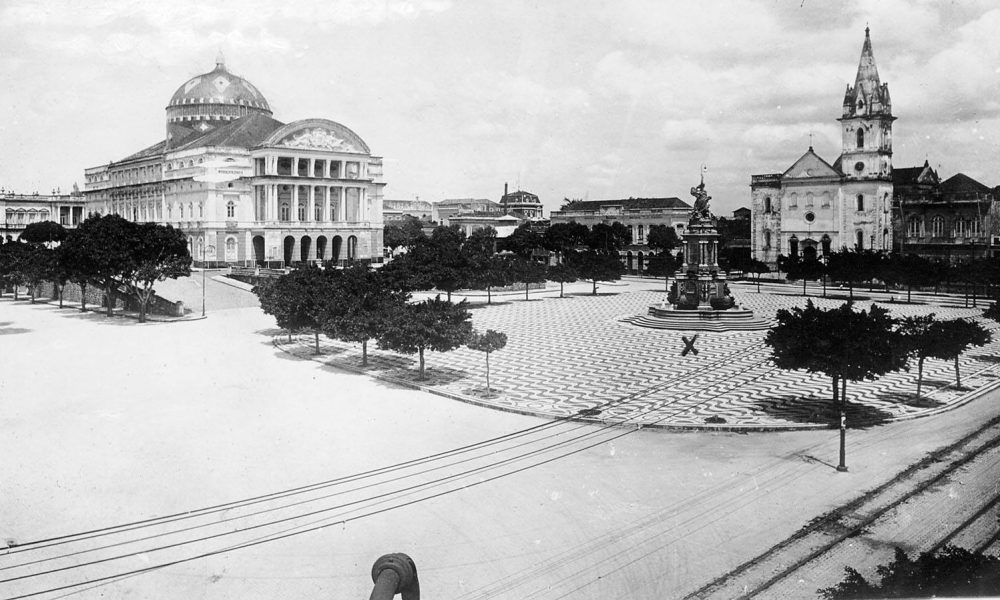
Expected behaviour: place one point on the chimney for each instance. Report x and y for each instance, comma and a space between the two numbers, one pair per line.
505, 188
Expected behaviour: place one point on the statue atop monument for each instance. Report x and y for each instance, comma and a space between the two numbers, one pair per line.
701, 199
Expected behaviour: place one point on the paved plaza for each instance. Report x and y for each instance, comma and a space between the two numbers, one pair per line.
581, 353
106, 421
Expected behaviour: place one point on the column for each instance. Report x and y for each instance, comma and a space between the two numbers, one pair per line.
312, 167
294, 216
363, 205
325, 206
311, 209
341, 205
272, 202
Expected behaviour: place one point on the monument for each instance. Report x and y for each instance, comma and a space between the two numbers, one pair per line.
699, 297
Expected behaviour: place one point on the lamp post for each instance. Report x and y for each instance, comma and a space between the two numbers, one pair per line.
202, 275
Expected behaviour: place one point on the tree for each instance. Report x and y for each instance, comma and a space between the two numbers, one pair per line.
562, 273
43, 232
918, 341
155, 253
951, 572
804, 269
77, 262
34, 266
993, 312
609, 238
847, 266
433, 324
841, 343
449, 269
403, 233
59, 272
105, 241
298, 300
757, 268
952, 338
908, 269
527, 271
597, 266
565, 237
522, 241
360, 302
488, 342
492, 271
663, 265
662, 238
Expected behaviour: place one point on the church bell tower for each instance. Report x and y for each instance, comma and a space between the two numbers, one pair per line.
866, 123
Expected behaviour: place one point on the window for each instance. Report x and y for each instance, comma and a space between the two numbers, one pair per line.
285, 215
793, 201
767, 240
767, 205
937, 226
318, 216
826, 244
180, 209
809, 200
302, 211
959, 228
333, 211
860, 244
231, 209
861, 138
861, 201
793, 247
642, 237
914, 227
974, 228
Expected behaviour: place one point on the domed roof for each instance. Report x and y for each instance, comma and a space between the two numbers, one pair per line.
219, 86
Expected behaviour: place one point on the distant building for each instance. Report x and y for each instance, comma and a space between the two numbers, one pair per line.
521, 204
21, 210
451, 207
395, 210
246, 188
814, 206
638, 214
953, 220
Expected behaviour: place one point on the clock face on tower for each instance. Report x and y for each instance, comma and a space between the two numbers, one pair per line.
859, 166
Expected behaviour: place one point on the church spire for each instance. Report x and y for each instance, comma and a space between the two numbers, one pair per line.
868, 95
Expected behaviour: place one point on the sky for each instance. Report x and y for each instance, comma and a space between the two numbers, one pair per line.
563, 98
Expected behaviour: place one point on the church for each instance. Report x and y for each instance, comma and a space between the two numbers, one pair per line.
245, 188
815, 207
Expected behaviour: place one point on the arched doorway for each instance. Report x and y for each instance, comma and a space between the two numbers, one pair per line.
321, 248
352, 247
809, 250
289, 249
305, 245
258, 249
628, 261
337, 242
825, 242
793, 247
642, 262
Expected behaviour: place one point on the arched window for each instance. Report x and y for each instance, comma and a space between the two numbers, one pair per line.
861, 138
767, 240
937, 226
974, 227
767, 205
318, 216
230, 248
180, 209
959, 228
914, 226
285, 215
302, 211
809, 200
793, 200
230, 209
825, 241
860, 243
793, 247
333, 211
352, 248
642, 235
861, 201
201, 210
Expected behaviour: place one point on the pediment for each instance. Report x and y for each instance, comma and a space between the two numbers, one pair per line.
318, 134
808, 166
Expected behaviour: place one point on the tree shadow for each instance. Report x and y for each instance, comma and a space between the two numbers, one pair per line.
433, 376
480, 393
479, 305
12, 330
991, 358
116, 319
846, 297
586, 294
797, 409
271, 332
910, 399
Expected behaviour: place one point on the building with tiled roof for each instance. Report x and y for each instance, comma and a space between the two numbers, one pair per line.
244, 187
951, 220
813, 206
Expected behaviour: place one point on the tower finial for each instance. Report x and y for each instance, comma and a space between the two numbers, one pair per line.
220, 61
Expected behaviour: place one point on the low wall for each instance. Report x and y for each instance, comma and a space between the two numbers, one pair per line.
157, 305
